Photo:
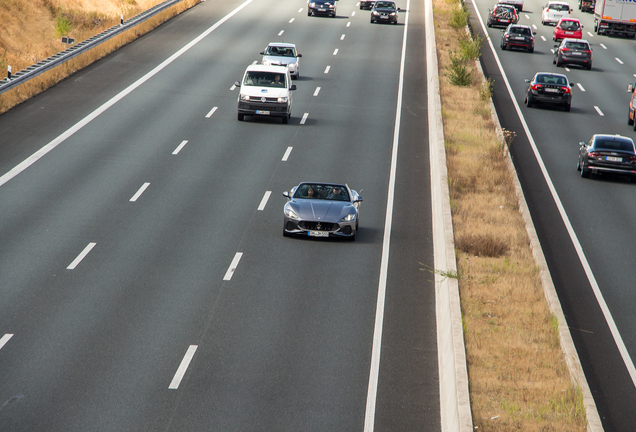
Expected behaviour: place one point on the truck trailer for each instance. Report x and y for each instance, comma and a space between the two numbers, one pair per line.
615, 17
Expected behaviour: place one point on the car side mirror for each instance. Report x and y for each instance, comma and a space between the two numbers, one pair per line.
359, 199
571, 84
556, 46
237, 84
299, 55
630, 88
527, 80
399, 10
286, 194
262, 53
581, 144
534, 33
293, 87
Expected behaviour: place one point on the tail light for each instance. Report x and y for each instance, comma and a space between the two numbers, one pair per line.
566, 89
565, 49
594, 154
588, 51
631, 159
537, 86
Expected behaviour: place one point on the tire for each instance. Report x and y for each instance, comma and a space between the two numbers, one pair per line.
531, 50
558, 63
241, 117
308, 13
585, 172
553, 60
634, 126
528, 102
578, 164
488, 24
589, 67
286, 119
567, 107
630, 122
503, 47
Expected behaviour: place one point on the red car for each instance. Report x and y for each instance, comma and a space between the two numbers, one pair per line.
567, 28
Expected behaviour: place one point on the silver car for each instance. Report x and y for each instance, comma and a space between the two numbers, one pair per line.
283, 54
321, 210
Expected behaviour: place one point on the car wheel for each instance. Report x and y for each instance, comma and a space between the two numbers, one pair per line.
578, 164
241, 117
630, 122
553, 60
488, 24
634, 126
528, 102
558, 62
567, 107
585, 172
286, 119
308, 13
503, 47
531, 50
589, 67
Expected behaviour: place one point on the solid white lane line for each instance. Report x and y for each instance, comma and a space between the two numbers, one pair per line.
580, 87
139, 192
208, 115
183, 367
603, 46
178, 149
233, 265
374, 372
317, 91
86, 120
348, 23
281, 32
327, 69
342, 37
598, 110
335, 52
618, 60
543, 38
304, 119
291, 20
263, 203
81, 256
4, 339
286, 155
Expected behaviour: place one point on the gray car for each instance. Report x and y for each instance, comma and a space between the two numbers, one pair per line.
318, 209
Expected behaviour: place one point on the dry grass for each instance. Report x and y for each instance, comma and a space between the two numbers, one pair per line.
517, 373
35, 21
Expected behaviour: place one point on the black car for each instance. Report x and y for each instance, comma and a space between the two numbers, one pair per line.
607, 154
366, 4
573, 51
549, 88
518, 36
502, 15
384, 11
322, 7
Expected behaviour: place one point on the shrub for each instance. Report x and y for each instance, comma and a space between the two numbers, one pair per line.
458, 72
459, 18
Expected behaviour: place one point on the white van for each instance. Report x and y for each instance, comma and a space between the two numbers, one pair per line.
265, 91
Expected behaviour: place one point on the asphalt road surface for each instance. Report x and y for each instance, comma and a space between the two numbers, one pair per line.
145, 283
600, 210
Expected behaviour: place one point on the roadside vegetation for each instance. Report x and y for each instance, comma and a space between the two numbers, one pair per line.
518, 377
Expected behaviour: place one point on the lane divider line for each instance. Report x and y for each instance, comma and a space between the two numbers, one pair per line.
353, 13
183, 367
263, 203
233, 265
317, 91
304, 119
208, 115
4, 339
342, 37
348, 23
291, 20
139, 192
81, 256
179, 147
234, 86
580, 87
603, 46
543, 38
591, 35
618, 60
598, 110
281, 32
300, 10
327, 69
286, 155
335, 52
86, 120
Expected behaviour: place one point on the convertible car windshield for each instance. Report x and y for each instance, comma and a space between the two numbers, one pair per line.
264, 79
322, 192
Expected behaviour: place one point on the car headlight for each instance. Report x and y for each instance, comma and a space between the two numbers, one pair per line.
245, 97
375, 13
282, 99
291, 65
312, 4
265, 62
348, 218
331, 6
290, 213
392, 13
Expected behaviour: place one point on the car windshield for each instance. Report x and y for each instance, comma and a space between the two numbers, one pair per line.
264, 79
614, 144
577, 45
570, 25
520, 31
559, 8
384, 5
551, 79
280, 51
319, 191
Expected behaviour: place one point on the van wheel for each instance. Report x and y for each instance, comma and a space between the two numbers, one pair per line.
241, 117
286, 119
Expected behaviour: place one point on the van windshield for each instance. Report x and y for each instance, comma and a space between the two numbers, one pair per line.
265, 79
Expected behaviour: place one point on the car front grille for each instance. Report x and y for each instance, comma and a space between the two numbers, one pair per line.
318, 226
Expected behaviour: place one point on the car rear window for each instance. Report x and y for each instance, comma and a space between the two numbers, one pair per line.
614, 144
577, 45
570, 25
559, 8
520, 31
551, 79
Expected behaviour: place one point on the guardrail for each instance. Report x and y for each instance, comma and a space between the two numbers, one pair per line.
82, 47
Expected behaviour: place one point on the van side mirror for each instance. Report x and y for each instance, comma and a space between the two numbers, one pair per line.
237, 84
293, 87
262, 53
299, 55
630, 88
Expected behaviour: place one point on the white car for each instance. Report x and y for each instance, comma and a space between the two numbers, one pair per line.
283, 54
518, 4
265, 91
554, 11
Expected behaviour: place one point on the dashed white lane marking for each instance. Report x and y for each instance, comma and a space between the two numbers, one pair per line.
580, 87
335, 52
566, 69
139, 192
618, 60
263, 203
183, 367
357, 4
233, 265
534, 26
300, 10
327, 69
4, 339
281, 32
232, 88
286, 155
304, 119
598, 110
317, 91
552, 50
208, 115
527, 16
591, 35
543, 38
353, 13
603, 46
291, 20
81, 256
342, 37
179, 147
349, 23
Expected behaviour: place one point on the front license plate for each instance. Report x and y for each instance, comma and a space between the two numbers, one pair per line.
322, 10
503, 21
614, 159
551, 90
383, 17
261, 112
318, 233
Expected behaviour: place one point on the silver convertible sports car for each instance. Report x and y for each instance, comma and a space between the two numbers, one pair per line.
321, 210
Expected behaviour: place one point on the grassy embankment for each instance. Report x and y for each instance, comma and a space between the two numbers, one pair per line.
517, 372
32, 30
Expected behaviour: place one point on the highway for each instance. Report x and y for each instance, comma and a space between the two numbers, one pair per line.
591, 263
145, 281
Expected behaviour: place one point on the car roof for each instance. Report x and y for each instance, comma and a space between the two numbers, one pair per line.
323, 183
551, 74
558, 2
569, 19
575, 40
282, 44
509, 6
263, 68
519, 26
